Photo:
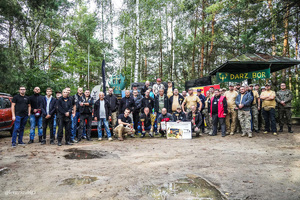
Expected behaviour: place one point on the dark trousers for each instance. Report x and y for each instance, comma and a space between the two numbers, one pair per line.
215, 120
64, 123
83, 117
136, 119
202, 124
47, 122
269, 117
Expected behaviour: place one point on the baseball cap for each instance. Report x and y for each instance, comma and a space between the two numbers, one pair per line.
263, 87
158, 80
199, 90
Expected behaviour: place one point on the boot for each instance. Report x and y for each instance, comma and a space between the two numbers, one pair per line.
281, 129
244, 134
40, 139
290, 130
43, 142
250, 135
30, 141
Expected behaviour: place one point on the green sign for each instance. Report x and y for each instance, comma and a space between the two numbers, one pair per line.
117, 82
238, 77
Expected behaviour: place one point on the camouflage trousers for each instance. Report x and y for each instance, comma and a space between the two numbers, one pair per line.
232, 114
254, 113
245, 121
207, 118
284, 116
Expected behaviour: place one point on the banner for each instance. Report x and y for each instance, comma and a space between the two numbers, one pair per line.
239, 77
181, 130
204, 89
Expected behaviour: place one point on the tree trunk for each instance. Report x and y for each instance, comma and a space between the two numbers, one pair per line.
145, 69
111, 27
194, 46
10, 30
137, 53
274, 76
102, 18
285, 40
297, 55
212, 35
202, 48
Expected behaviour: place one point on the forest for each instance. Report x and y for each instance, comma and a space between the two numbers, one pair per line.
52, 43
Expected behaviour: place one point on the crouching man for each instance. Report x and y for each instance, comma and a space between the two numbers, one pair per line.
196, 118
124, 125
161, 121
145, 122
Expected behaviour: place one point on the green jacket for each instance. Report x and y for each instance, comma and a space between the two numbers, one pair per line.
285, 96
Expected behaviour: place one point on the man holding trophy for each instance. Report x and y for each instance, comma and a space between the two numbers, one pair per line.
146, 123
178, 115
162, 120
196, 118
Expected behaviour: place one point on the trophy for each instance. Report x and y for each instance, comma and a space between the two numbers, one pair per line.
194, 117
158, 127
153, 117
143, 126
177, 114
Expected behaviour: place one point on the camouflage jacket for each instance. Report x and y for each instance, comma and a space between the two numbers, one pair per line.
285, 96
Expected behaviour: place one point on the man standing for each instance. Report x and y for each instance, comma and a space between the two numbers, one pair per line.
232, 114
202, 99
190, 101
175, 101
147, 101
218, 111
196, 119
161, 101
157, 86
86, 103
169, 90
20, 109
55, 121
161, 121
145, 88
102, 114
255, 107
114, 105
124, 125
64, 113
268, 109
136, 112
48, 107
135, 87
74, 119
184, 94
145, 122
126, 102
35, 117
243, 103
283, 99
206, 114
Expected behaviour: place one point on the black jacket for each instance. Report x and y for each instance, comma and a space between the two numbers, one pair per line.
147, 119
52, 107
166, 103
35, 102
64, 105
90, 100
123, 106
76, 99
143, 90
181, 116
180, 100
113, 102
137, 103
198, 118
147, 102
97, 109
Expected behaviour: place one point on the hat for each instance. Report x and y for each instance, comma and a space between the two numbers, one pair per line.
263, 87
224, 89
179, 107
169, 81
134, 85
267, 84
158, 80
238, 84
190, 89
199, 90
251, 85
230, 84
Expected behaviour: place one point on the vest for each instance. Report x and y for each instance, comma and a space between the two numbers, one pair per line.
220, 107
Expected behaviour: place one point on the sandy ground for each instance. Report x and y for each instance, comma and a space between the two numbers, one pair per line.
264, 167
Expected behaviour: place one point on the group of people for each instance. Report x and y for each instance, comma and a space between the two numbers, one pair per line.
242, 109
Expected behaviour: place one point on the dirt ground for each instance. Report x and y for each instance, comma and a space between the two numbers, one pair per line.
263, 167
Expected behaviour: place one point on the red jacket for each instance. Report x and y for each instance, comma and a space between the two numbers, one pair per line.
220, 107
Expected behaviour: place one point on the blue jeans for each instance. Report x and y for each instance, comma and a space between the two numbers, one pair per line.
105, 122
54, 125
74, 126
147, 128
19, 126
269, 117
35, 121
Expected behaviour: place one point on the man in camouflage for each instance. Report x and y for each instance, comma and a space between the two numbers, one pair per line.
283, 99
207, 117
254, 108
243, 103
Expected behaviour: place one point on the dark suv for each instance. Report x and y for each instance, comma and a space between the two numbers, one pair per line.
6, 123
